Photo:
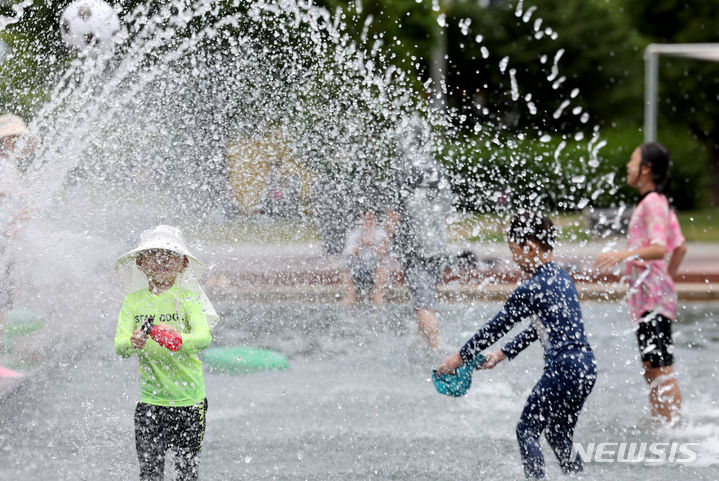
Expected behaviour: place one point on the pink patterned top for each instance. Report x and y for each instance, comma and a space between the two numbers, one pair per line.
651, 288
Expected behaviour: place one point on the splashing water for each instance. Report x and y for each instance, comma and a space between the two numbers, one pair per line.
143, 135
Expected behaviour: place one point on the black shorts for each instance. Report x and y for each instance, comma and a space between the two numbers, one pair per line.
159, 429
654, 336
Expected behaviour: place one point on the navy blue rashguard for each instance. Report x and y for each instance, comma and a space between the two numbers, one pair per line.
549, 298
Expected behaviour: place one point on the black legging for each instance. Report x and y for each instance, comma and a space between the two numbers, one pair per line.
162, 428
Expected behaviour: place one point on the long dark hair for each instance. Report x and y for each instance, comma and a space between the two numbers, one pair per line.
657, 158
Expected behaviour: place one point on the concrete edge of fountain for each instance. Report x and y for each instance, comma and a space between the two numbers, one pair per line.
302, 273
446, 293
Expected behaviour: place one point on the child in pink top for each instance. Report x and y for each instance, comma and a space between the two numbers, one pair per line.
654, 233
651, 284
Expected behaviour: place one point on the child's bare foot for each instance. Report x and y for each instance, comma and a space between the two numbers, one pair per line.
349, 299
378, 298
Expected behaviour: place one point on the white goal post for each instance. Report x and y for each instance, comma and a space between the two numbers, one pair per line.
698, 51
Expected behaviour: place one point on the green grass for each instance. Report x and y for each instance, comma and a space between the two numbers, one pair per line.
488, 228
697, 226
700, 225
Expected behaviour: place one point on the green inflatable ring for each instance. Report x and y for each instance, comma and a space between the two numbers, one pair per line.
243, 360
21, 322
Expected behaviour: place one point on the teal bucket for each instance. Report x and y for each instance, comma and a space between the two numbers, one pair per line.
457, 384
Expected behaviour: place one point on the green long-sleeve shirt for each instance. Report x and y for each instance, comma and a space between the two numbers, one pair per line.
166, 378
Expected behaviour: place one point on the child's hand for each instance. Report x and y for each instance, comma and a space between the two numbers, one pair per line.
493, 358
166, 327
138, 339
639, 263
450, 364
608, 259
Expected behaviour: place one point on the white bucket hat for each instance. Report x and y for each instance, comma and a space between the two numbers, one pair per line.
11, 125
168, 238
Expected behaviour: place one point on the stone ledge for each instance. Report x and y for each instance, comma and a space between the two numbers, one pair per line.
446, 293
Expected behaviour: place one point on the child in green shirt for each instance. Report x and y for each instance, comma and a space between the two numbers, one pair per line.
162, 276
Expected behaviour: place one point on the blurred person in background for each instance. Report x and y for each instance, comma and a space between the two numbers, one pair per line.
16, 146
364, 250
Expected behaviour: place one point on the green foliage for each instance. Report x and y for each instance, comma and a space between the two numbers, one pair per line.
589, 33
689, 185
602, 43
688, 89
17, 75
599, 58
494, 175
700, 225
407, 29
503, 174
36, 57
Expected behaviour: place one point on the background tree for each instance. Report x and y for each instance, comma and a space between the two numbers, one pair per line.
600, 69
688, 89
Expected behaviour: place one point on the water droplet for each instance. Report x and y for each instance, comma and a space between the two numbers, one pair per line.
557, 113
555, 69
528, 14
503, 64
514, 86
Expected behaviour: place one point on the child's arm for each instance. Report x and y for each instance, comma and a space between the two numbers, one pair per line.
515, 309
493, 358
520, 343
511, 349
199, 336
648, 253
676, 259
125, 329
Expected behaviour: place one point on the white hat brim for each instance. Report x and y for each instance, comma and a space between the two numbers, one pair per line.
134, 279
11, 125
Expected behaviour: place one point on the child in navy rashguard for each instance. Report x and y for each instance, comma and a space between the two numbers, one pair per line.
550, 300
